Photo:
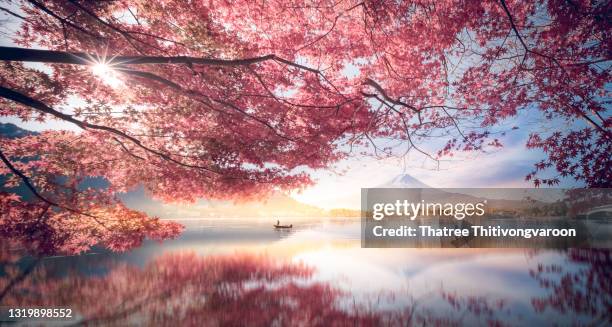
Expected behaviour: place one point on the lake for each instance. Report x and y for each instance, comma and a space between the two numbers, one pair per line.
244, 272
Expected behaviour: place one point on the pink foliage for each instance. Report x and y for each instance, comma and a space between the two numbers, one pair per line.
234, 99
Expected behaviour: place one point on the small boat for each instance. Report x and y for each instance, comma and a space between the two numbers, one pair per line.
278, 225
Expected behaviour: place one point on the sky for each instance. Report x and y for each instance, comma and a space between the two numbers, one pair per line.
505, 168
340, 187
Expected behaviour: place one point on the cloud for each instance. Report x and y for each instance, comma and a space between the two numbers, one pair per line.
504, 168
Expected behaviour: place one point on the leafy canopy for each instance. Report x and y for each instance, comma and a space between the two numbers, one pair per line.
231, 99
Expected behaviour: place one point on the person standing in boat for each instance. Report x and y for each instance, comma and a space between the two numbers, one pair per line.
278, 225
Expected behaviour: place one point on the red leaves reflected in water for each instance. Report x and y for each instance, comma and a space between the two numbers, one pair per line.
585, 290
186, 289
238, 290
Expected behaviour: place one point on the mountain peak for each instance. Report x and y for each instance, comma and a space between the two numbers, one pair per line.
405, 181
12, 131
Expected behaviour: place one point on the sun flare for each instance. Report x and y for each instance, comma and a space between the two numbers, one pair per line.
106, 74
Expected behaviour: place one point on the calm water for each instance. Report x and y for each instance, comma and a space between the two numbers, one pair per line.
243, 272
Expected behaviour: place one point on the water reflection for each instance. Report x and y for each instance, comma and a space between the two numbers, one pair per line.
237, 272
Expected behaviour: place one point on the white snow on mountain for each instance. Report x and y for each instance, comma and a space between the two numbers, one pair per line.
404, 181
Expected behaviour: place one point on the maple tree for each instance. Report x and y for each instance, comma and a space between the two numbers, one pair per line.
235, 98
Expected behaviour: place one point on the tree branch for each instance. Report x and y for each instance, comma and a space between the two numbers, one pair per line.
81, 58
586, 117
25, 180
12, 13
382, 92
198, 95
28, 183
33, 103
62, 20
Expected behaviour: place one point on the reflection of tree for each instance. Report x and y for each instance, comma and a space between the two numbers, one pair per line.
189, 290
586, 290
185, 289
12, 274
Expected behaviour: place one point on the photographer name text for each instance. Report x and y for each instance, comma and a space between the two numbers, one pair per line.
472, 231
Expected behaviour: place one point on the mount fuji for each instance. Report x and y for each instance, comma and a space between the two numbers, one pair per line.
404, 181
506, 199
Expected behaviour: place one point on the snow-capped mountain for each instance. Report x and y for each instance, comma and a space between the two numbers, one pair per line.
506, 200
404, 181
